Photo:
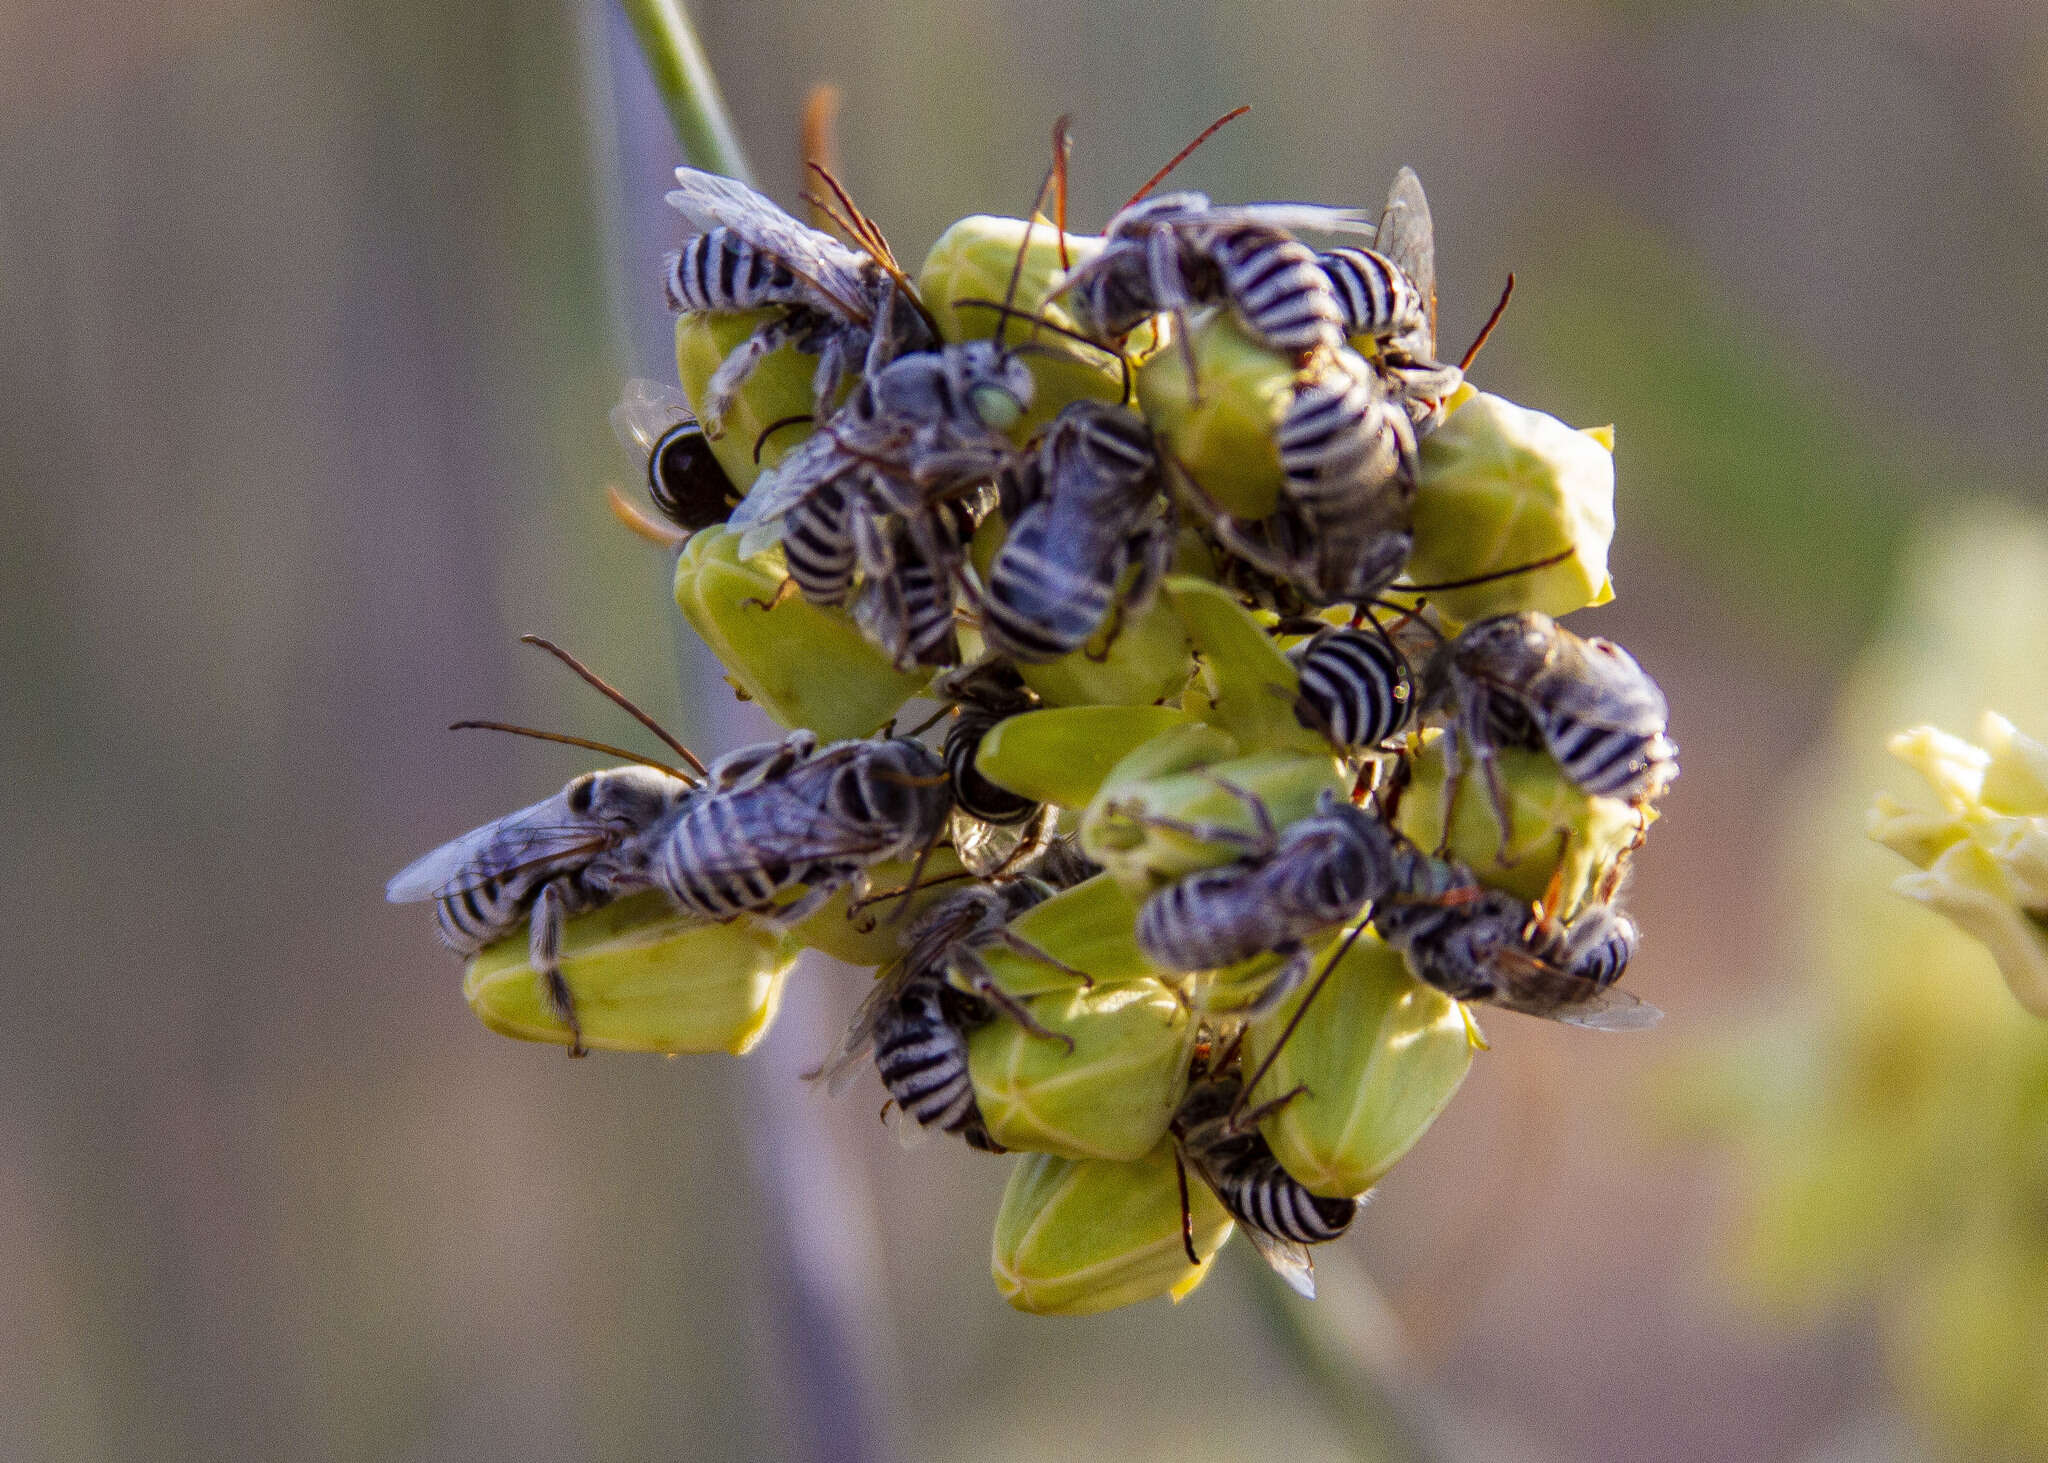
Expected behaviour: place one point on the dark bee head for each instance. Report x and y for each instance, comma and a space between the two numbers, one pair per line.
1507, 648
897, 787
974, 794
685, 480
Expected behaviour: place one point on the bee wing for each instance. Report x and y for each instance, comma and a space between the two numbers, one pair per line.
1290, 1260
647, 412
710, 201
1317, 217
1408, 237
536, 834
837, 1071
1537, 988
779, 489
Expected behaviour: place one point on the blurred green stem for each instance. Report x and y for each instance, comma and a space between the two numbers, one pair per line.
675, 58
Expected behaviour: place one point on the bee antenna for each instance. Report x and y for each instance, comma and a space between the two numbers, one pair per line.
1008, 306
1486, 330
1039, 322
568, 741
1187, 1211
1508, 573
1286, 1033
1184, 154
617, 697
869, 237
1062, 148
775, 426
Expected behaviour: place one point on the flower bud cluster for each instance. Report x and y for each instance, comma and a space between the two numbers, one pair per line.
1251, 759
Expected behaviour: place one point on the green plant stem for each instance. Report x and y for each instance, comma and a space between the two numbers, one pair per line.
675, 59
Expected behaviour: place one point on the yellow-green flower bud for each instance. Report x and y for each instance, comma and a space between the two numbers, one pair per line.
1502, 486
1248, 688
1550, 822
972, 260
779, 388
804, 664
1119, 830
1110, 1097
1062, 754
1223, 432
1090, 928
1984, 857
1147, 662
1078, 1236
644, 979
1380, 1055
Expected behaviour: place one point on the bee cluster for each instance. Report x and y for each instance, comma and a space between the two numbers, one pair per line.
1178, 716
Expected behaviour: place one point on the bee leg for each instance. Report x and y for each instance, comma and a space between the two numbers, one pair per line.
732, 373
1280, 985
1187, 1210
1497, 795
544, 954
783, 917
1202, 832
783, 591
981, 983
1030, 951
1251, 1117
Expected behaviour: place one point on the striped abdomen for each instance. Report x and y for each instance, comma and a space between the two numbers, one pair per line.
1278, 289
709, 863
817, 542
1609, 761
719, 271
1209, 919
1047, 593
921, 1057
1337, 441
1262, 1195
488, 911
974, 794
1599, 944
1355, 688
1375, 295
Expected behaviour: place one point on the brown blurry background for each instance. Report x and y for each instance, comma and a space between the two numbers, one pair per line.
310, 316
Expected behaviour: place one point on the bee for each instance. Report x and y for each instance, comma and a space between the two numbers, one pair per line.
1320, 874
1388, 293
1356, 687
994, 831
1174, 251
589, 844
906, 601
1080, 513
1524, 680
916, 1019
684, 478
924, 428
1480, 944
842, 304
782, 815
1279, 1216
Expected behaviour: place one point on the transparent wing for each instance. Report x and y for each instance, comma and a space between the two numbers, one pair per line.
1317, 217
783, 486
647, 412
1407, 237
851, 1055
710, 201
532, 835
1291, 1261
1537, 988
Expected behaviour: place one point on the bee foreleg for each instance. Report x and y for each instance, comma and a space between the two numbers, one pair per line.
544, 954
1281, 984
1039, 953
981, 982
733, 371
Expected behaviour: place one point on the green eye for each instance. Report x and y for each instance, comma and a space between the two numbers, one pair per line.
997, 407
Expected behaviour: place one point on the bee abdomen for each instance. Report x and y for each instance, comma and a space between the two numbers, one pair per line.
1355, 688
817, 544
1374, 294
709, 866
922, 1061
1264, 1196
1205, 921
1334, 441
1279, 290
974, 794
1609, 761
1042, 604
719, 271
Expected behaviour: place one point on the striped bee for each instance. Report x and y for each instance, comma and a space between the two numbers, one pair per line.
852, 308
925, 428
1081, 513
587, 845
1174, 251
685, 480
1479, 944
906, 601
1319, 874
994, 831
1525, 680
1356, 687
784, 815
1279, 1216
1388, 294
916, 1019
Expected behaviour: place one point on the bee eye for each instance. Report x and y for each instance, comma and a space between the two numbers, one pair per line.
582, 792
996, 406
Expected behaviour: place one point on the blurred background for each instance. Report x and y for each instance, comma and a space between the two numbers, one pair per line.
310, 317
